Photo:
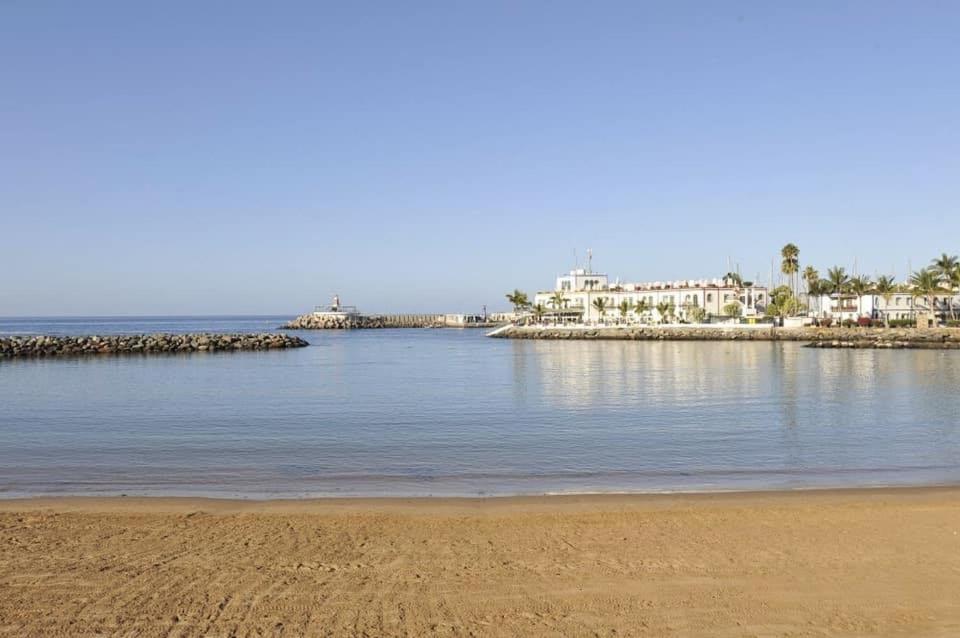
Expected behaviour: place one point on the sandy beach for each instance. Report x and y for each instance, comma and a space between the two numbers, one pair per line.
826, 563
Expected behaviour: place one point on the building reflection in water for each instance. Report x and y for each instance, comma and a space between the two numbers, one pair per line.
776, 405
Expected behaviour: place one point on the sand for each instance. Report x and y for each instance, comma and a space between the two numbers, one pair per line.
830, 563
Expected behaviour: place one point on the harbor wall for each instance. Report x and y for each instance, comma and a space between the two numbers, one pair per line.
50, 346
332, 321
939, 338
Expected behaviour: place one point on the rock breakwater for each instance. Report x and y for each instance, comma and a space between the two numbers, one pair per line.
932, 338
312, 321
50, 346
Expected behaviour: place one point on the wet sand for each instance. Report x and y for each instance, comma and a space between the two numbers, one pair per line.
826, 563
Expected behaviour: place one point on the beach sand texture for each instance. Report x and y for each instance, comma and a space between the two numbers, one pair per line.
831, 563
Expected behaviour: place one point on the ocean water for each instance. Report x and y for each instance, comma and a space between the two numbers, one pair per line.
450, 412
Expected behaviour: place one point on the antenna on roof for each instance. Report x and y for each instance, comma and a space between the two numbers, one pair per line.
589, 261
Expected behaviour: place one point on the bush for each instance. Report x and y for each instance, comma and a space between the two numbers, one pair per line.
864, 322
848, 323
826, 322
953, 323
902, 323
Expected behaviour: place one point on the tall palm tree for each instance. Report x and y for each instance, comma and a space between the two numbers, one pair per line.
838, 279
954, 285
946, 266
811, 278
624, 308
885, 286
790, 264
519, 300
600, 303
538, 311
860, 286
925, 283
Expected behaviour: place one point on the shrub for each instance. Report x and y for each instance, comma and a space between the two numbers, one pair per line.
953, 323
864, 322
902, 323
826, 322
848, 323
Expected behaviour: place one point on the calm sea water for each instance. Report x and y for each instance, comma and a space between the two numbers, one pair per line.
449, 412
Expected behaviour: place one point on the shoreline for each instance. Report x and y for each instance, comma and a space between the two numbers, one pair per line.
82, 503
841, 562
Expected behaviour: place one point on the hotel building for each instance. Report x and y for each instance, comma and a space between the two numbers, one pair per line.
581, 288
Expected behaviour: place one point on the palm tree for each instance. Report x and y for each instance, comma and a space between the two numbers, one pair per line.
885, 287
925, 283
666, 310
641, 307
519, 300
624, 308
860, 286
811, 278
838, 279
946, 268
600, 303
790, 264
538, 311
557, 300
944, 265
735, 278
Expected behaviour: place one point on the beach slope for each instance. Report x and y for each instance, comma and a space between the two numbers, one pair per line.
827, 563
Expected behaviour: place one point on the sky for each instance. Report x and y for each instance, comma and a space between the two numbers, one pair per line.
250, 157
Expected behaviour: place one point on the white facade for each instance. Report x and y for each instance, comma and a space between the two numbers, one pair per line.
581, 289
902, 305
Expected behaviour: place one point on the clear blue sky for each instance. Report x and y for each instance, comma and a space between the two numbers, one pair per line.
232, 157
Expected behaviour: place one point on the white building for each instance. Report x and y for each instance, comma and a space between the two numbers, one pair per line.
575, 296
901, 305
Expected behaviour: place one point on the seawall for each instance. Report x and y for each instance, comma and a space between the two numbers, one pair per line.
934, 338
49, 346
311, 321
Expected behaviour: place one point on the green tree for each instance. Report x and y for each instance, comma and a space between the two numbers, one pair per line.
860, 286
885, 286
925, 283
733, 309
624, 308
734, 278
519, 300
666, 310
696, 314
944, 266
947, 269
838, 280
641, 307
790, 264
811, 278
538, 311
600, 303
558, 301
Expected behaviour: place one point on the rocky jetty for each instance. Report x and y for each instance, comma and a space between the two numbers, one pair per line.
932, 338
49, 346
313, 321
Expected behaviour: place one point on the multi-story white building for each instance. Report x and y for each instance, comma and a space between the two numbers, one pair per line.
901, 305
575, 295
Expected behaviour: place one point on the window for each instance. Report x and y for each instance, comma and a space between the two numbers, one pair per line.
709, 297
